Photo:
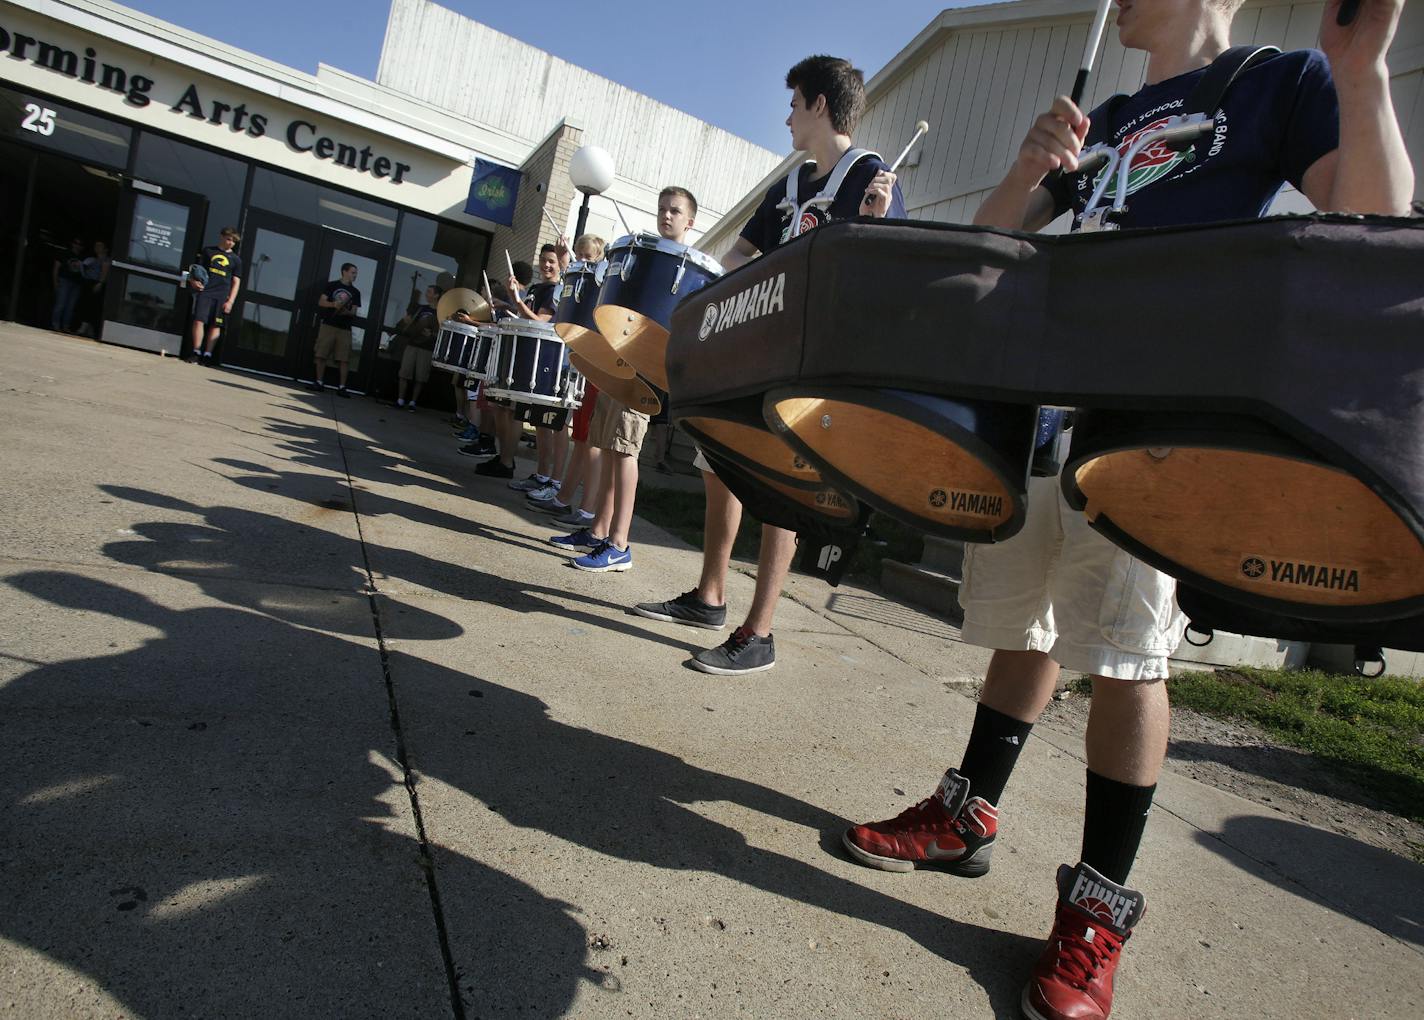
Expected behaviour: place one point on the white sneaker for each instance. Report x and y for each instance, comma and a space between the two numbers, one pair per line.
545, 492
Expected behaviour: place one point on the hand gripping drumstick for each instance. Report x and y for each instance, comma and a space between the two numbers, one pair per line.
921, 129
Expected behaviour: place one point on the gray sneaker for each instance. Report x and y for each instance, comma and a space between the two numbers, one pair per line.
743, 652
575, 518
686, 608
528, 484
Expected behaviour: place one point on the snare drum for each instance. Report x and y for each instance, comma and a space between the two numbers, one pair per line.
531, 366
455, 346
485, 356
647, 276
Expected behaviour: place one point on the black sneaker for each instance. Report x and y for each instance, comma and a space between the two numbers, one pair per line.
688, 609
743, 652
476, 450
494, 469
315, 387
343, 392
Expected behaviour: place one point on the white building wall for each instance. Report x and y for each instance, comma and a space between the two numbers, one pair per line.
447, 60
979, 76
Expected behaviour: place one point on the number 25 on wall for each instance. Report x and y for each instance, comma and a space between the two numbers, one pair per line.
38, 119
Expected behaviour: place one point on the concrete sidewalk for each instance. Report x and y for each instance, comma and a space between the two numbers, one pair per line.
300, 718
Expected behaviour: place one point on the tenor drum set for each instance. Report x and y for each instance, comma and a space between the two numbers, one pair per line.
1249, 410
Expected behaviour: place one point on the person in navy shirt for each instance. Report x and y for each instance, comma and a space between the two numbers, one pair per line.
827, 99
217, 287
1058, 593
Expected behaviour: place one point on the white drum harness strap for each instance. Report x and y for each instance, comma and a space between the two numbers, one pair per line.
827, 194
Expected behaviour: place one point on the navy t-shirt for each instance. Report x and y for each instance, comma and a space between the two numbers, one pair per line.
221, 265
421, 330
770, 227
1276, 120
540, 297
338, 292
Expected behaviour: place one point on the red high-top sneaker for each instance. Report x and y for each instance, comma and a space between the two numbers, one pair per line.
1073, 979
949, 830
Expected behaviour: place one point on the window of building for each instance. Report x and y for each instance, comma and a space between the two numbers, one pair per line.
62, 128
218, 178
313, 203
431, 251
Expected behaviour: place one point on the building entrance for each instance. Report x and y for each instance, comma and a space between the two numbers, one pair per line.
287, 265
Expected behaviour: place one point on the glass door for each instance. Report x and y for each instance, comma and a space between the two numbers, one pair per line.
158, 235
372, 261
273, 325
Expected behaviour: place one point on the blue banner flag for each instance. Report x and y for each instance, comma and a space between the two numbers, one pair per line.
494, 190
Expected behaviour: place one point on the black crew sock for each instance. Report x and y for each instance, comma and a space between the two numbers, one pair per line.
1113, 823
994, 746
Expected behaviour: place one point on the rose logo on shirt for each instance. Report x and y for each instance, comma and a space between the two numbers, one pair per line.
1150, 165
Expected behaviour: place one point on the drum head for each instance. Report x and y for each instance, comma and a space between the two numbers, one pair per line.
463, 299
1280, 532
753, 447
912, 460
633, 393
591, 346
636, 339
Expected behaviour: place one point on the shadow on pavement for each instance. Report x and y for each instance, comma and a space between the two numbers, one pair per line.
1380, 888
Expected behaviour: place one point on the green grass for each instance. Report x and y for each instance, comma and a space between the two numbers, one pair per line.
682, 513
1371, 730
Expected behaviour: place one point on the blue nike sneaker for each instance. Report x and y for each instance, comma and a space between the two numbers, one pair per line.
605, 558
580, 539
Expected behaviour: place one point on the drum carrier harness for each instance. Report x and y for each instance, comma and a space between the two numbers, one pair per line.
829, 192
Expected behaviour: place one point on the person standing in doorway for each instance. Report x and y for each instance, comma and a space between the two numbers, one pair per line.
67, 275
418, 329
339, 303
91, 302
216, 275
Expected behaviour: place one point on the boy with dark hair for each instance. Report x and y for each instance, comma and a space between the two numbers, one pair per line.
537, 305
1041, 599
827, 97
216, 275
339, 302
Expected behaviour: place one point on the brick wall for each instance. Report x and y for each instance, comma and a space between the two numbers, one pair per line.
545, 183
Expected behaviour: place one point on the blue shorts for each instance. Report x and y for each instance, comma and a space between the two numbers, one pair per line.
208, 308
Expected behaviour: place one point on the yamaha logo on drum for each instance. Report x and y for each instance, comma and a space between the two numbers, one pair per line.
752, 303
975, 504
1301, 575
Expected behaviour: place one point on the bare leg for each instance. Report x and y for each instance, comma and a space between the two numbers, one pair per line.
592, 473
197, 337
320, 371
778, 546
342, 366
1128, 723
604, 501
401, 390
416, 394
625, 492
721, 520
1019, 684
545, 451
574, 472
559, 443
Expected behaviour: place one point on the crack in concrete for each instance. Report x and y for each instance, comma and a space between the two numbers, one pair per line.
427, 862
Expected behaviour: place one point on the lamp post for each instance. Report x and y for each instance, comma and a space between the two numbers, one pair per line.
591, 170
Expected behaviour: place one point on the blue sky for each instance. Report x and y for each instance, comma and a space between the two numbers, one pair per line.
724, 62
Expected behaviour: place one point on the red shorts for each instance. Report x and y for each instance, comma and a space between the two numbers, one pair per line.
584, 415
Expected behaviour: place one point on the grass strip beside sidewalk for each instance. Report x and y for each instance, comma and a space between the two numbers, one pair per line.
1373, 729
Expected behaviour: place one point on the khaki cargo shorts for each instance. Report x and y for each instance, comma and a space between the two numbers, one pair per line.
615, 427
333, 343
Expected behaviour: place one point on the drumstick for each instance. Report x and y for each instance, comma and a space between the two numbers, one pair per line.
619, 209
489, 293
510, 266
1090, 52
557, 231
920, 130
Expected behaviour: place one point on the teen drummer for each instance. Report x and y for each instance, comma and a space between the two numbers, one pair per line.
618, 432
827, 99
1060, 594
